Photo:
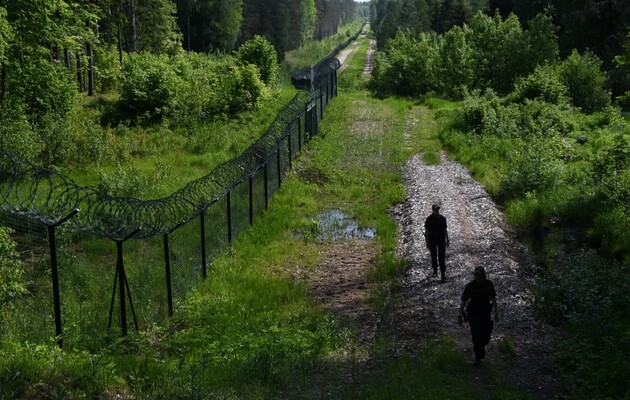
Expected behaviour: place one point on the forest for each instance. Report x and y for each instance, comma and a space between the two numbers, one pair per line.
136, 98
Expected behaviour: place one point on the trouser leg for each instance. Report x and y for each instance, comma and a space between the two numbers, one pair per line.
433, 249
480, 329
442, 254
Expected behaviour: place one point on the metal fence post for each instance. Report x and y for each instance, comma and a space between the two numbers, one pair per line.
122, 284
54, 272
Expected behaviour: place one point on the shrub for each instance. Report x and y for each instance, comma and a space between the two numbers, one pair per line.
406, 67
454, 68
534, 168
12, 283
203, 95
486, 115
582, 76
107, 70
123, 182
17, 136
499, 51
245, 88
588, 296
148, 86
543, 84
260, 52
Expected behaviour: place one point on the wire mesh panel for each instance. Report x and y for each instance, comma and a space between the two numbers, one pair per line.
217, 235
283, 159
295, 138
146, 277
28, 315
184, 250
87, 267
258, 192
239, 207
272, 175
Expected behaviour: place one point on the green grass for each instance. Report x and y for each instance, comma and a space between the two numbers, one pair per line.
164, 157
313, 51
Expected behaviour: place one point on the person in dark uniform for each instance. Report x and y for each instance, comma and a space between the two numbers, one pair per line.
436, 239
479, 299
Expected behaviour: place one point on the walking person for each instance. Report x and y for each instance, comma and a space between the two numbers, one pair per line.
479, 299
436, 239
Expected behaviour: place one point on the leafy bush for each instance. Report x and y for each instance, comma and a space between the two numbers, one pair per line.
203, 95
107, 70
487, 115
582, 76
588, 296
245, 88
213, 87
16, 133
543, 84
455, 71
499, 51
123, 182
534, 168
12, 284
406, 67
260, 52
148, 85
44, 88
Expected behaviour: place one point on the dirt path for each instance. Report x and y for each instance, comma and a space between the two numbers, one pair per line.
423, 308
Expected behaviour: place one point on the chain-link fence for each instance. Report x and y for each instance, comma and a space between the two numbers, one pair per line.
120, 263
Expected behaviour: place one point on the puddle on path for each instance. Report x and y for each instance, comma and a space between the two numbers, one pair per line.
335, 225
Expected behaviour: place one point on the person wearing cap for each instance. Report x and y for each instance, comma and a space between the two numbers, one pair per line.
436, 239
479, 299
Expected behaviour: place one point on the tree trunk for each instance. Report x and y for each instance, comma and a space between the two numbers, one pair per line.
120, 41
90, 72
66, 59
80, 74
134, 33
188, 29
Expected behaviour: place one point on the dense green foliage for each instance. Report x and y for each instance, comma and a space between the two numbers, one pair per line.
600, 27
260, 53
490, 52
587, 296
12, 282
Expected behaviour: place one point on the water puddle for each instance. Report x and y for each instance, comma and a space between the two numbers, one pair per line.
335, 225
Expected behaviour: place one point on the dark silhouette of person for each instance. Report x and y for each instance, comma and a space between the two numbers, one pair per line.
479, 299
436, 239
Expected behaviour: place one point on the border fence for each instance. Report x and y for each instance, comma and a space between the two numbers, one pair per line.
163, 247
